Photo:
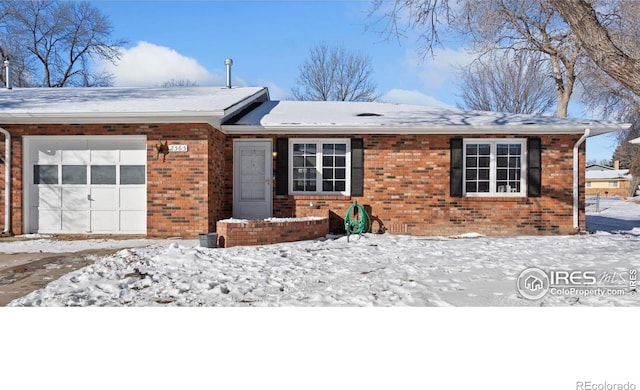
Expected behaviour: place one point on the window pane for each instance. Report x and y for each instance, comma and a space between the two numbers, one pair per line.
310, 161
503, 162
327, 161
45, 174
472, 149
298, 161
483, 174
341, 173
327, 149
501, 174
340, 186
341, 149
327, 185
103, 174
515, 149
472, 162
483, 161
327, 173
132, 174
341, 161
74, 174
472, 174
310, 149
472, 186
502, 149
484, 149
483, 186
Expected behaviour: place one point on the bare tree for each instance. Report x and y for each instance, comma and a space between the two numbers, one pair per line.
596, 39
53, 42
514, 82
182, 83
498, 25
335, 74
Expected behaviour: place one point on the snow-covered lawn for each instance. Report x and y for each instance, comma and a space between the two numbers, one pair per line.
378, 270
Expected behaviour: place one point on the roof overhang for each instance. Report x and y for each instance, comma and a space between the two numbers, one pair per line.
596, 129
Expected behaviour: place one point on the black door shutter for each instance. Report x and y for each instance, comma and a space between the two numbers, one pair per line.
534, 167
456, 167
282, 166
357, 167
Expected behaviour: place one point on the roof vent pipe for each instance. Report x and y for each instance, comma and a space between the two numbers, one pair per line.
228, 62
7, 66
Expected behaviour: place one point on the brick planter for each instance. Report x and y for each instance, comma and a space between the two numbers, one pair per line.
235, 232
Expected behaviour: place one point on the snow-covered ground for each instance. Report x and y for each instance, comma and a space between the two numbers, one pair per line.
378, 270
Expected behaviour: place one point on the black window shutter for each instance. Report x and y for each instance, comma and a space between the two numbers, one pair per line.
282, 166
357, 167
456, 167
534, 167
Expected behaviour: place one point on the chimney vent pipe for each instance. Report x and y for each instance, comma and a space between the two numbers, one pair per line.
9, 82
228, 62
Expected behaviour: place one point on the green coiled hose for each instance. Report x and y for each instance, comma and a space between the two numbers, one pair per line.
357, 220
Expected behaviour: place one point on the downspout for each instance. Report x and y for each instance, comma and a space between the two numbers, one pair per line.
576, 176
7, 182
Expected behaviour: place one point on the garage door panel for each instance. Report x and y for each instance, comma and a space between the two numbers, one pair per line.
104, 156
133, 221
104, 198
133, 198
74, 221
76, 156
104, 221
46, 221
133, 156
46, 156
74, 199
47, 197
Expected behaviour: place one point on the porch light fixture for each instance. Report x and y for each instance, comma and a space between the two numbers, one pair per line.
162, 148
274, 154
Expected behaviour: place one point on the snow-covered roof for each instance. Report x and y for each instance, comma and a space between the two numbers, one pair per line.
372, 117
608, 174
109, 105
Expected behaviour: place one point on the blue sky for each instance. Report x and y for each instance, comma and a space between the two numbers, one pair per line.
268, 40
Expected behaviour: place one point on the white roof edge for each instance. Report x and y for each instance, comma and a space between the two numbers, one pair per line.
111, 117
596, 129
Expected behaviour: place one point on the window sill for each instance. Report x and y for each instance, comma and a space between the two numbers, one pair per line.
512, 198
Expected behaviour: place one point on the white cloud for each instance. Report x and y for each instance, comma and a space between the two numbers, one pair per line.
403, 96
441, 69
147, 64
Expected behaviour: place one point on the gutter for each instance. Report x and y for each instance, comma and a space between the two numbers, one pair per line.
7, 182
576, 186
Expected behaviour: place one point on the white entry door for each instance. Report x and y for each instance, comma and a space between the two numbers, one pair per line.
252, 179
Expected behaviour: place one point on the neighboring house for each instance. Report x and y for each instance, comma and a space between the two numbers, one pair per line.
87, 161
607, 181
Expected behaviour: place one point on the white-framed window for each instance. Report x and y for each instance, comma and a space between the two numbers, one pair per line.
495, 167
319, 166
613, 184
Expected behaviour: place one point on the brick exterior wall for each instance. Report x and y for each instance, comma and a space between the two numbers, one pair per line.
406, 190
180, 199
406, 184
269, 232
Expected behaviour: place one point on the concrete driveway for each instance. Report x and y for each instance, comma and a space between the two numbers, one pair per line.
30, 263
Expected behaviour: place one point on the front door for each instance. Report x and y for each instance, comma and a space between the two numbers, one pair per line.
252, 179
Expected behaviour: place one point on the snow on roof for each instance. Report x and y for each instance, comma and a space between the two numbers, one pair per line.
83, 105
373, 117
608, 174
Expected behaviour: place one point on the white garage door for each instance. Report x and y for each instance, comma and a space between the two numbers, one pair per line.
82, 185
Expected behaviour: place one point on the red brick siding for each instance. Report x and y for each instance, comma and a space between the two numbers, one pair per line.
178, 190
406, 189
267, 232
